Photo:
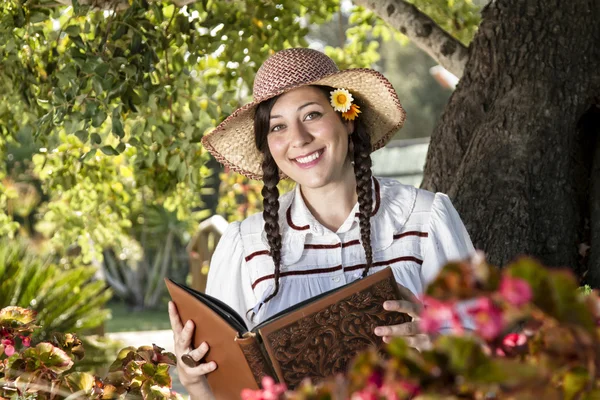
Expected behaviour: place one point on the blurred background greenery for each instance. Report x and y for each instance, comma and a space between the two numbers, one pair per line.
103, 181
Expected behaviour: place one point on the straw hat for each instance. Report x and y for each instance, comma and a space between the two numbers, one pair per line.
232, 142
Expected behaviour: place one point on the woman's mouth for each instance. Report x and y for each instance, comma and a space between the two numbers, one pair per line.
309, 160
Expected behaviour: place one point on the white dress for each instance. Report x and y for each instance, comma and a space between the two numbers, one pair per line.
413, 231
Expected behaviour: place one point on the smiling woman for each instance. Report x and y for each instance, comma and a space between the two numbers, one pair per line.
318, 126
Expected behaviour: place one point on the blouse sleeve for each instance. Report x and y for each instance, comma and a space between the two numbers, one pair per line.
228, 279
448, 238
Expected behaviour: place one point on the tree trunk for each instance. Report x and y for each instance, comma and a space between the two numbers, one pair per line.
511, 149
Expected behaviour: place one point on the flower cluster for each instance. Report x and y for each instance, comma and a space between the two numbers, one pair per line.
16, 326
44, 370
342, 101
484, 313
524, 331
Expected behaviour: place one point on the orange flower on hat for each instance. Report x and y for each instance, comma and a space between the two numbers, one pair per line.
351, 113
341, 100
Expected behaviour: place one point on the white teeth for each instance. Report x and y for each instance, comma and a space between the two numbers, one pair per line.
307, 159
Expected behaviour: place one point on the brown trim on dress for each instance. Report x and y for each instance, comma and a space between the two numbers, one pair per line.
385, 263
337, 245
411, 233
322, 246
291, 223
257, 253
302, 272
337, 268
350, 243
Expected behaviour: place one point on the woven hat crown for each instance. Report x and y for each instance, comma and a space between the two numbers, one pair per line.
291, 68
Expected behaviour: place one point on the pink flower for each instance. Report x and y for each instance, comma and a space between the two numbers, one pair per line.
514, 340
488, 318
26, 340
270, 391
9, 346
516, 291
375, 379
435, 313
399, 390
368, 393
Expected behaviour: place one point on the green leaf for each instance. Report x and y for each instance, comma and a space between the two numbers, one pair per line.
17, 314
162, 156
117, 125
72, 30
161, 376
121, 147
174, 161
52, 357
88, 155
82, 135
79, 382
575, 382
181, 172
98, 118
109, 150
96, 139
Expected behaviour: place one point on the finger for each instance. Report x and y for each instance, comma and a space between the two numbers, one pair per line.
420, 342
176, 324
199, 352
204, 368
406, 329
412, 309
407, 294
184, 339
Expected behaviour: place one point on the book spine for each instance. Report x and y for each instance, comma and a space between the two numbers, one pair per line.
256, 357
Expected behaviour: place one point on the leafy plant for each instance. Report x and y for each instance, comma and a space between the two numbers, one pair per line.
43, 370
65, 299
536, 336
139, 281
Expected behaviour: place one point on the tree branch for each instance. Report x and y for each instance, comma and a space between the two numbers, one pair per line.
422, 31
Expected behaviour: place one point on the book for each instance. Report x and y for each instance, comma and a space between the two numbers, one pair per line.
316, 338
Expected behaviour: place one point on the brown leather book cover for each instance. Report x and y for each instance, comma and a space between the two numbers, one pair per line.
233, 372
316, 339
320, 339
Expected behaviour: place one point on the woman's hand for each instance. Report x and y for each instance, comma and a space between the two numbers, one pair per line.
192, 378
410, 330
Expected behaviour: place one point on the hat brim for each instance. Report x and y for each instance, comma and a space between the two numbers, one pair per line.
232, 141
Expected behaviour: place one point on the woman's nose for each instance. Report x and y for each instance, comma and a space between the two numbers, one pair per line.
300, 136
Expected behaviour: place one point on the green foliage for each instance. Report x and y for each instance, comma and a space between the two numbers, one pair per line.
460, 18
118, 99
65, 299
240, 197
44, 370
142, 83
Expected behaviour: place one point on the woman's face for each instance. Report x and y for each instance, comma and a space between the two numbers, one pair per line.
307, 138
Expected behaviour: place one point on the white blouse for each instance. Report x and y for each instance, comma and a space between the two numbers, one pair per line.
413, 231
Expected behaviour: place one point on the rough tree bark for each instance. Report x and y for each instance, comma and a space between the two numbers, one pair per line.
516, 144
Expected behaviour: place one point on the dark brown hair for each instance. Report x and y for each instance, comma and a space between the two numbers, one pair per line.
359, 148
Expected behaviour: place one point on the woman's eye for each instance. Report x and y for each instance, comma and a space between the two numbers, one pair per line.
313, 115
276, 128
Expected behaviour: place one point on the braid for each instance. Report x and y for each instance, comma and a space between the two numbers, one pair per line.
362, 171
270, 194
270, 191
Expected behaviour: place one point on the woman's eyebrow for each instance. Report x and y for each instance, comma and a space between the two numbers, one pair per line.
299, 108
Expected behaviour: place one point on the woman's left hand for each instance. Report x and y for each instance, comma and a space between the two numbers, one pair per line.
410, 331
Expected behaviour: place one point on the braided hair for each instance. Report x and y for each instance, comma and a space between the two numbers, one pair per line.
359, 148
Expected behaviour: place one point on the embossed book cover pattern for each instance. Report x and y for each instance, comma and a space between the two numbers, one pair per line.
257, 360
323, 343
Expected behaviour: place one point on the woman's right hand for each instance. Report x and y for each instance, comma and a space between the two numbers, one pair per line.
192, 378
